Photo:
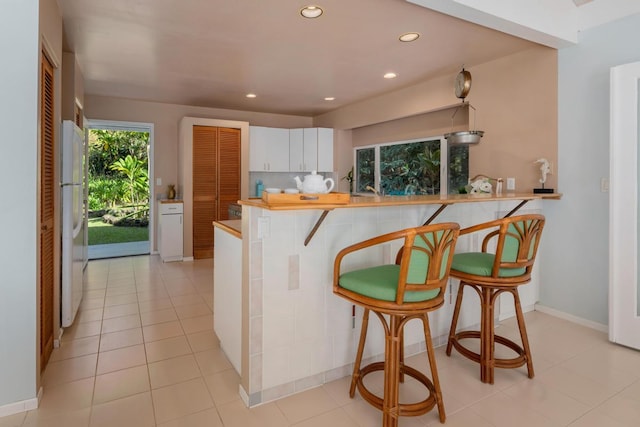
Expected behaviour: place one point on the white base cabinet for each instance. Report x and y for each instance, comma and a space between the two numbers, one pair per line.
227, 295
170, 233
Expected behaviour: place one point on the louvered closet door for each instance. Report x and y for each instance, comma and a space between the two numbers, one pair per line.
47, 188
205, 147
228, 170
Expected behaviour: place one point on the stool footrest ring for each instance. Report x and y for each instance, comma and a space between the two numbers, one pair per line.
404, 409
511, 363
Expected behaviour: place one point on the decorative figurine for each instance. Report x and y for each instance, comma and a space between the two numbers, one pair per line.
544, 170
480, 185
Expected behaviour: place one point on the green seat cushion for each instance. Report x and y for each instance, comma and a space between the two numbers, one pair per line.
381, 283
481, 264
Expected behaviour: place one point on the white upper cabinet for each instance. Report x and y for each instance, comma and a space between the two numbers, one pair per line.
290, 150
268, 149
325, 150
311, 149
296, 150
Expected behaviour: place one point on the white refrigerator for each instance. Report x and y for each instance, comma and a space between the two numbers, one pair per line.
74, 220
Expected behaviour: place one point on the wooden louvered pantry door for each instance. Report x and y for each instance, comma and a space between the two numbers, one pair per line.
228, 170
216, 182
47, 188
205, 147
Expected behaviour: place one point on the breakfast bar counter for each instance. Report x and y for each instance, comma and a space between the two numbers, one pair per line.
362, 201
295, 334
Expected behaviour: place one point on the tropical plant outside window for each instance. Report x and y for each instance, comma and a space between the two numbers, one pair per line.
118, 186
118, 164
412, 167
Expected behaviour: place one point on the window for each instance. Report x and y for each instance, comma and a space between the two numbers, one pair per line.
419, 166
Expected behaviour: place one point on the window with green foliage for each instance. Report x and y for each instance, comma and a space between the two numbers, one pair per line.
420, 166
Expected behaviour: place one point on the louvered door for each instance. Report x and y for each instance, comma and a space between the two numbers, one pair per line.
228, 170
216, 182
47, 188
205, 173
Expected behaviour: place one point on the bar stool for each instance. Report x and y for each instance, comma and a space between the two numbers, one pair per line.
490, 275
406, 290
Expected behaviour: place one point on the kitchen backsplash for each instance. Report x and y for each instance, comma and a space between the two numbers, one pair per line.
281, 179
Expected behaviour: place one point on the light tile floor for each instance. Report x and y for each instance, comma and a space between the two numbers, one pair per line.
143, 353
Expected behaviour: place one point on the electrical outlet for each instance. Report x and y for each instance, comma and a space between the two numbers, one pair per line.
604, 185
158, 181
511, 184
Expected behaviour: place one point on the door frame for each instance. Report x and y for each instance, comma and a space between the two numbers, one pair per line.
185, 176
134, 127
624, 315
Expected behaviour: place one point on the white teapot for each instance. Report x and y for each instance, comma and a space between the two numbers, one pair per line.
314, 183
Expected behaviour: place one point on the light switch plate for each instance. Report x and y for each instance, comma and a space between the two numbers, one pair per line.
511, 183
158, 181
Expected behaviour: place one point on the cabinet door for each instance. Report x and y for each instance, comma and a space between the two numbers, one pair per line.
205, 174
310, 149
228, 168
296, 156
325, 150
624, 205
278, 150
171, 236
258, 148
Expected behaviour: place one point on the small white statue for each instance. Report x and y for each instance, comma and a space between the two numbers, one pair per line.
544, 169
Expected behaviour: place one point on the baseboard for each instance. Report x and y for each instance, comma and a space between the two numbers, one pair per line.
243, 395
512, 313
23, 406
56, 342
188, 258
571, 318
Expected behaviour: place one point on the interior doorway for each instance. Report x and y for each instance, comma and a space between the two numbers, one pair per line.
119, 191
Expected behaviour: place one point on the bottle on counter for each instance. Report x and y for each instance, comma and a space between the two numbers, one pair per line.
259, 188
499, 187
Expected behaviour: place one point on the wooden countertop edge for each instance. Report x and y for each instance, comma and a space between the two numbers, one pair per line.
375, 201
231, 226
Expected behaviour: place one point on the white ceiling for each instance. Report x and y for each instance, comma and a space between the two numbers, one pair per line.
211, 53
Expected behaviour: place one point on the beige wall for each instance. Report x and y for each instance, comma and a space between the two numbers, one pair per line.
518, 109
515, 98
166, 118
436, 123
72, 86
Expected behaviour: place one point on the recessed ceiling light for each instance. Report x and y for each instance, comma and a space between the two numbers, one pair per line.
311, 11
409, 37
329, 98
390, 76
251, 95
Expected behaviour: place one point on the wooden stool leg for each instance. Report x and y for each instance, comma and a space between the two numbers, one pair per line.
434, 369
487, 346
401, 378
356, 364
454, 321
390, 408
523, 333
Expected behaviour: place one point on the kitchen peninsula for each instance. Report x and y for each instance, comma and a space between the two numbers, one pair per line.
295, 333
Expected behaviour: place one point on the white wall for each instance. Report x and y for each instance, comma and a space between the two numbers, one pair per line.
575, 253
19, 42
